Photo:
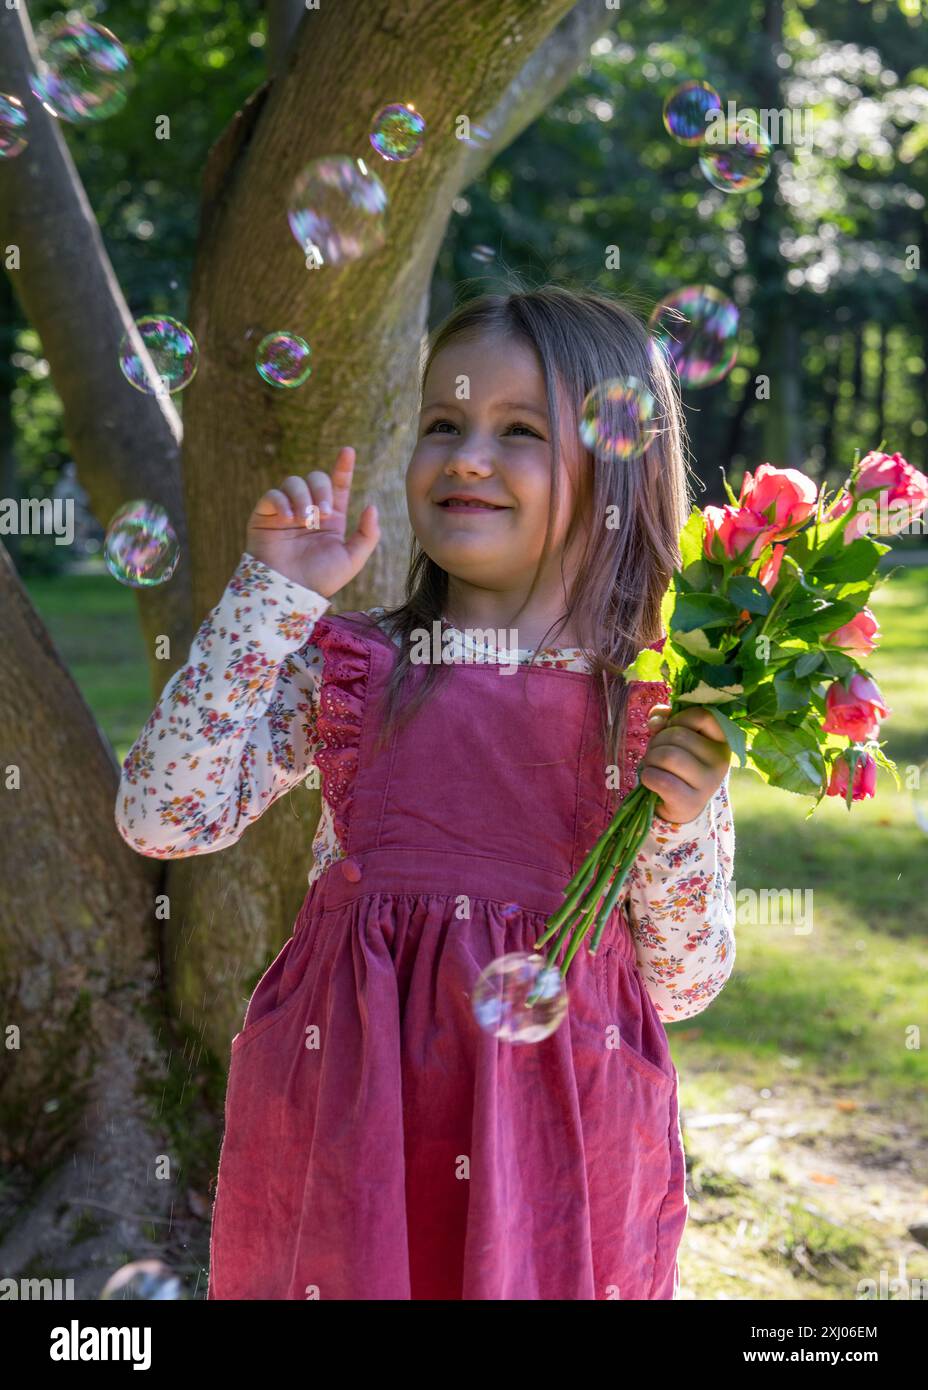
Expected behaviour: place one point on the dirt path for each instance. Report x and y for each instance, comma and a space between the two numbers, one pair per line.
801, 1193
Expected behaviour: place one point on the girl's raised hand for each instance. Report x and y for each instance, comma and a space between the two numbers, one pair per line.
316, 554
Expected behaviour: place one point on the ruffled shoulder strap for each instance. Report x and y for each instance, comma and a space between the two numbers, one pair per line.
345, 642
641, 696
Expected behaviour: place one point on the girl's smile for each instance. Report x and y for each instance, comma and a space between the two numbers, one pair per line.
493, 447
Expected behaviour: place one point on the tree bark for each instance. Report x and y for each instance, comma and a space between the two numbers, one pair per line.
77, 989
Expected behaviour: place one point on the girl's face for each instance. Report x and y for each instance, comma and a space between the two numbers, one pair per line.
493, 445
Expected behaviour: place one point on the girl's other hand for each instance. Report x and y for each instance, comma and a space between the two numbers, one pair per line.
299, 529
686, 761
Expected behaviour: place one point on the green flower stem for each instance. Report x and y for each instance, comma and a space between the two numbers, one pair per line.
637, 839
575, 890
603, 872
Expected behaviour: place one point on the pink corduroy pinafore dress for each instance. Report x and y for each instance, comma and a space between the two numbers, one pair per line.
378, 1144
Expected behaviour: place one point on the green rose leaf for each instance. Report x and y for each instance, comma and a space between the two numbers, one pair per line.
855, 561
696, 643
647, 666
789, 757
749, 593
692, 611
692, 539
810, 662
711, 695
839, 665
734, 734
790, 692
823, 621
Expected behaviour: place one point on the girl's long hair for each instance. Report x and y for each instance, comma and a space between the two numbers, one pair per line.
582, 339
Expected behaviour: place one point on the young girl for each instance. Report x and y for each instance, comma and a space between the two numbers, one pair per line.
378, 1144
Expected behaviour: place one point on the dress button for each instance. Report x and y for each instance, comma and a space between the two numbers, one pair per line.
352, 870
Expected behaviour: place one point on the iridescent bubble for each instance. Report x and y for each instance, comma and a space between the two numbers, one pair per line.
83, 73
396, 132
336, 209
502, 989
13, 121
616, 419
697, 329
742, 162
282, 359
173, 352
143, 1279
686, 109
141, 548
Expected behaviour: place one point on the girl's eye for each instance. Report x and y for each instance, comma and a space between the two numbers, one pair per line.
434, 427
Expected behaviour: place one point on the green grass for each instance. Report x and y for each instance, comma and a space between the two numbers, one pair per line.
93, 622
841, 996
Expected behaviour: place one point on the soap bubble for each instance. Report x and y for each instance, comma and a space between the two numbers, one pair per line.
501, 991
685, 112
282, 359
697, 329
616, 419
141, 548
13, 121
396, 132
173, 352
83, 74
337, 206
742, 162
143, 1279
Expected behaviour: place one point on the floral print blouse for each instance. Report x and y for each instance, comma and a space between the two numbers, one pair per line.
235, 728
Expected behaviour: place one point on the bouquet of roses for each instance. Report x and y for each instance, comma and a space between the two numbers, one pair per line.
766, 624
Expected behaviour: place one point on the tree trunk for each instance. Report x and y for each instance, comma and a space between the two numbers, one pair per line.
125, 443
880, 402
365, 322
8, 318
78, 981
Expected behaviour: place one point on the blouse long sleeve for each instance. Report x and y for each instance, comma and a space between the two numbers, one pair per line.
234, 727
681, 909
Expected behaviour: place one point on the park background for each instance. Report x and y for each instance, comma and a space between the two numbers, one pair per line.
803, 1088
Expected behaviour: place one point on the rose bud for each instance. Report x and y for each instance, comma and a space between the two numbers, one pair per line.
864, 777
732, 532
854, 710
859, 636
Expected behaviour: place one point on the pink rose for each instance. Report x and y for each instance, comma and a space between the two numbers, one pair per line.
770, 569
902, 495
784, 496
854, 709
732, 532
859, 636
864, 777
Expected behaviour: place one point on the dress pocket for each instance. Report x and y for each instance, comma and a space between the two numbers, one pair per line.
628, 1007
279, 989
